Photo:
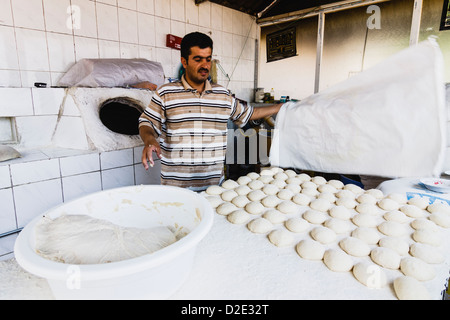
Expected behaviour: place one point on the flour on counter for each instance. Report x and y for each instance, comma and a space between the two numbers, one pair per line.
81, 239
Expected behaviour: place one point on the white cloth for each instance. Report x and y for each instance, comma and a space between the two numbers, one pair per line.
387, 121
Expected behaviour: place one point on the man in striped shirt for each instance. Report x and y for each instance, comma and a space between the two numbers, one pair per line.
189, 117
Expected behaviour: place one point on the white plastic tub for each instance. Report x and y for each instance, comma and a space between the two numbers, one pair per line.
153, 276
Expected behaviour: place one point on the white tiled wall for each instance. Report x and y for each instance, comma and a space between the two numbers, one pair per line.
28, 189
41, 39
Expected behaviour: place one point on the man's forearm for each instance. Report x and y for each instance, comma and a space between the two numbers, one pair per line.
266, 111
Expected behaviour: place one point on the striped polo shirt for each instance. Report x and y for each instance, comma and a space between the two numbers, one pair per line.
192, 131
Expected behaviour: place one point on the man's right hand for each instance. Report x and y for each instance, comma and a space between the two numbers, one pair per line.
147, 154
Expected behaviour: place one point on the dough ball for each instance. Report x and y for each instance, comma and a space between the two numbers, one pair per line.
287, 207
319, 180
276, 169
290, 173
441, 218
427, 236
419, 202
239, 216
346, 202
391, 228
354, 188
427, 253
376, 193
408, 288
294, 180
368, 235
281, 176
345, 194
280, 183
340, 212
243, 180
388, 204
314, 216
312, 192
255, 184
301, 199
396, 216
253, 175
416, 268
385, 257
230, 184
365, 220
270, 189
323, 235
267, 172
336, 183
355, 247
254, 207
214, 201
424, 224
260, 225
226, 208
214, 190
242, 190
326, 188
320, 205
240, 201
397, 244
304, 177
398, 197
274, 216
265, 179
328, 196
367, 208
296, 225
412, 211
309, 185
270, 201
281, 238
285, 194
337, 260
294, 188
256, 195
338, 225
310, 250
438, 206
370, 275
228, 195
366, 198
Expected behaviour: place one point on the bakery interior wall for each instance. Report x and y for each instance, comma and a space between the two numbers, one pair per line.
349, 46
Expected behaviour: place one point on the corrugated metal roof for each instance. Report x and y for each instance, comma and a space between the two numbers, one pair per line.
272, 7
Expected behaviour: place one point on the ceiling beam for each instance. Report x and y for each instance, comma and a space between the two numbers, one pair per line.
306, 13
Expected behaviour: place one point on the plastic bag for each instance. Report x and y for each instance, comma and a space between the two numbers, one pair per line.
387, 121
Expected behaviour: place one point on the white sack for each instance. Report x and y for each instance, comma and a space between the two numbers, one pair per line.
387, 121
95, 73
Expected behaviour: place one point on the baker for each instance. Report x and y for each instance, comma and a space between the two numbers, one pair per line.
186, 121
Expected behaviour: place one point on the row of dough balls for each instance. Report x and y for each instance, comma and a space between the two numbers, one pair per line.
366, 203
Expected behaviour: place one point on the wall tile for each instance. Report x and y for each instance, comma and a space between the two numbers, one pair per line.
34, 199
116, 178
22, 173
128, 4
107, 22
191, 12
6, 13
86, 48
61, 51
114, 159
47, 101
216, 16
128, 26
81, 185
15, 102
57, 14
162, 8
162, 28
85, 21
26, 126
108, 49
10, 78
146, 6
28, 14
32, 50
150, 176
146, 29
177, 10
7, 214
8, 57
227, 22
75, 165
5, 177
204, 14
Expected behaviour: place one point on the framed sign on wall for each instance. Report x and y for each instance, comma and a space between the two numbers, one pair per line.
445, 19
281, 44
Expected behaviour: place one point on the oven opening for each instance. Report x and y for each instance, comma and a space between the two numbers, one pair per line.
121, 115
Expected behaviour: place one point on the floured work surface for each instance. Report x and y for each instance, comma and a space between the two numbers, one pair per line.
235, 263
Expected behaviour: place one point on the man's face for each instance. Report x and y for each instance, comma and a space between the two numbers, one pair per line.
198, 65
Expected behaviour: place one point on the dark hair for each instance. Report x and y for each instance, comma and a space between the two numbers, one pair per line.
192, 40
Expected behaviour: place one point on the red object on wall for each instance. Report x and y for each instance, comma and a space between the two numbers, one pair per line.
173, 42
